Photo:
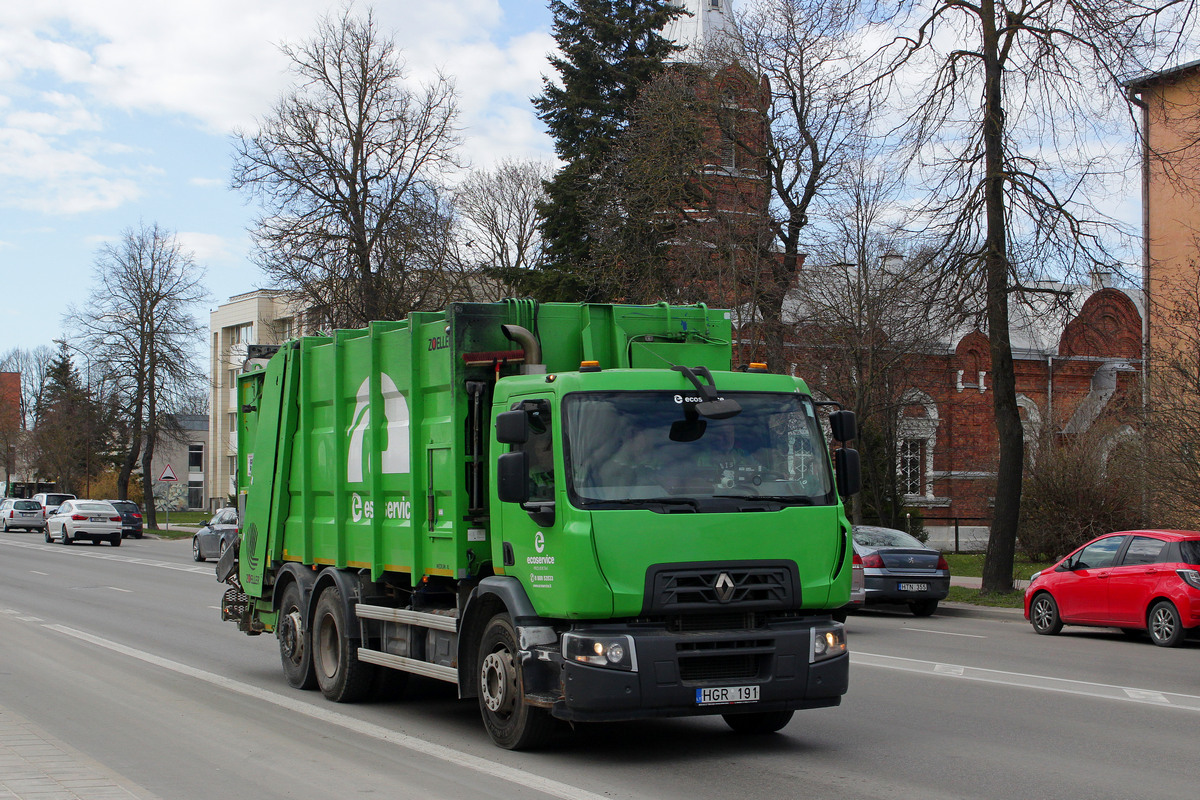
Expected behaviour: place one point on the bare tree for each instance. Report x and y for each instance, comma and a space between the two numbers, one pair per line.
819, 112
34, 366
348, 166
138, 322
1008, 182
498, 219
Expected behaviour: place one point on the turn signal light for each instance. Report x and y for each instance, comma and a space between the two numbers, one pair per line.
589, 366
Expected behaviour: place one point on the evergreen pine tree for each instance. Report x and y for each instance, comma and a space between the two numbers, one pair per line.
609, 50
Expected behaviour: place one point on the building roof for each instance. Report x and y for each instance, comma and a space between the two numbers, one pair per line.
705, 23
1150, 79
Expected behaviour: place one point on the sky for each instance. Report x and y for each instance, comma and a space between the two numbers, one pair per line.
118, 114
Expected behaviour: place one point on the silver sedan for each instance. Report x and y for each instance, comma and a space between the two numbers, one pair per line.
94, 520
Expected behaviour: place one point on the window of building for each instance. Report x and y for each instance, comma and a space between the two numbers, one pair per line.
242, 334
232, 467
195, 495
912, 466
233, 373
195, 458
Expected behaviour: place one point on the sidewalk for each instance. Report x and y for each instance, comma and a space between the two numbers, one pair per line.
35, 766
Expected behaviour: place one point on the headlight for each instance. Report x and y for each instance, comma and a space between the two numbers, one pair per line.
827, 643
614, 652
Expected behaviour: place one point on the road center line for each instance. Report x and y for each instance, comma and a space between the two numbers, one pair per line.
1100, 691
483, 766
106, 555
945, 633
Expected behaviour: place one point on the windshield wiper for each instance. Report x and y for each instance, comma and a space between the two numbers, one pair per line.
642, 501
791, 500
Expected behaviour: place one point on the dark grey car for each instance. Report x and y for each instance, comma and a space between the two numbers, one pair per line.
131, 517
217, 534
898, 568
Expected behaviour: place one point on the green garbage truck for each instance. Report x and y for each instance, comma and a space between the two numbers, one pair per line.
571, 512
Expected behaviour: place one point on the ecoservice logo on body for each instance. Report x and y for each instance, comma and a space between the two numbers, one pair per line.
396, 459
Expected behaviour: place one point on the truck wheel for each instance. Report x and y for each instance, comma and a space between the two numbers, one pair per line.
758, 721
511, 722
341, 676
295, 644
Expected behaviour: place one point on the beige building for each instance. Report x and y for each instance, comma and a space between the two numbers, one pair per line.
1170, 103
263, 316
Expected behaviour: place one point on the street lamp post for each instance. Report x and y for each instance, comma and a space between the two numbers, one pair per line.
87, 458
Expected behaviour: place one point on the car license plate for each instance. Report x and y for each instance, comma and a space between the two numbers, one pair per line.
725, 695
28, 513
914, 587
97, 519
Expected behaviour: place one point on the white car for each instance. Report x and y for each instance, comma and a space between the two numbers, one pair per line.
85, 519
18, 513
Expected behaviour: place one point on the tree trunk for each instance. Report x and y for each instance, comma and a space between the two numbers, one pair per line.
998, 563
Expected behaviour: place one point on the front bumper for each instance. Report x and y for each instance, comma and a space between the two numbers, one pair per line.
673, 666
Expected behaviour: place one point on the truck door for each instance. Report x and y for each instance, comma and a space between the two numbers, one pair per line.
529, 528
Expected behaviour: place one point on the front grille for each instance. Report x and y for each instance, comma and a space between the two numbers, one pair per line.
674, 588
718, 668
711, 622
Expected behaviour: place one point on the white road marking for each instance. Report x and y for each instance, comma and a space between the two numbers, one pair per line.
483, 766
35, 572
119, 589
1100, 691
105, 555
945, 633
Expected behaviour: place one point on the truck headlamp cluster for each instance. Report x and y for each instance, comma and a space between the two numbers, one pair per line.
598, 650
827, 642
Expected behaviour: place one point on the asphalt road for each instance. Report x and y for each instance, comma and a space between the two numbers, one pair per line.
120, 654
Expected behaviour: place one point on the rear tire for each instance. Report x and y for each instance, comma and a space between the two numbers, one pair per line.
341, 676
65, 539
510, 721
1043, 615
758, 722
1164, 624
295, 641
115, 541
49, 538
923, 608
6, 524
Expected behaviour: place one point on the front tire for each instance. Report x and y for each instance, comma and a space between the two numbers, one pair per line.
510, 721
295, 643
1043, 615
196, 556
341, 676
758, 722
1164, 624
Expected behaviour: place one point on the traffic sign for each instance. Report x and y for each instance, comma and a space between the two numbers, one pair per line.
168, 474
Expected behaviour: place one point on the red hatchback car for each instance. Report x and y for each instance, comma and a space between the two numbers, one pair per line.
1138, 581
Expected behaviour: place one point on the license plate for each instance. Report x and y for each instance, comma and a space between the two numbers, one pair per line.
97, 519
28, 513
914, 587
726, 695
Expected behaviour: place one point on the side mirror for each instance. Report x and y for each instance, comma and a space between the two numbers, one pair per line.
512, 427
512, 474
843, 425
849, 470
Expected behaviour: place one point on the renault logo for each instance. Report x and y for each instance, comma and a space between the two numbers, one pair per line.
724, 586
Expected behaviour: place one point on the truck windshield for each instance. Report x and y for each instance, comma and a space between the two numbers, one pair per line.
652, 449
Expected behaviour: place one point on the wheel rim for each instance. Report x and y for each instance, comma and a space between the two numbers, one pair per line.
1162, 624
328, 650
498, 682
195, 549
291, 640
1043, 614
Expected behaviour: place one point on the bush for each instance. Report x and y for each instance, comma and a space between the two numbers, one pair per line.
104, 487
1079, 487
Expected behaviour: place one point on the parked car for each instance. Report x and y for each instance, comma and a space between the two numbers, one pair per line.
131, 517
1145, 581
898, 568
18, 513
216, 536
94, 520
50, 501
